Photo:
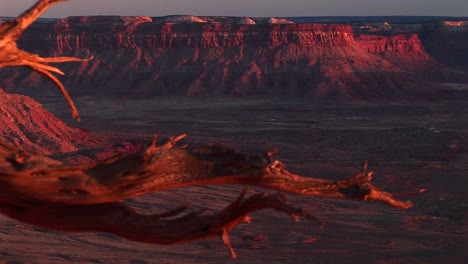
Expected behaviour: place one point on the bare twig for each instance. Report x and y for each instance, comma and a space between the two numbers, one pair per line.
11, 55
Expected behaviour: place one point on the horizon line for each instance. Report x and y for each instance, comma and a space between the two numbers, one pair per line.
299, 16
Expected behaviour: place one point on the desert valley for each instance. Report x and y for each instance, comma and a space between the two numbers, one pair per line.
327, 92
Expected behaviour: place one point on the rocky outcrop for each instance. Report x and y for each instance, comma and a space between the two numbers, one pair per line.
28, 125
138, 56
404, 50
378, 44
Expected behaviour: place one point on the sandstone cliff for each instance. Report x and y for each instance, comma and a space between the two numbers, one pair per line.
136, 56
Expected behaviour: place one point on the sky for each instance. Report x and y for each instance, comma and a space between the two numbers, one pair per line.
253, 8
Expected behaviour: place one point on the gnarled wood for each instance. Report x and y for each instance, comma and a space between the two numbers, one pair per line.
11, 55
45, 192
165, 167
168, 228
42, 191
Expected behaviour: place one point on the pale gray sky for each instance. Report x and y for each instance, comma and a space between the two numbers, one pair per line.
246, 7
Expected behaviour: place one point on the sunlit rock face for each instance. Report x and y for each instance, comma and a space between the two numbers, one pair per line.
29, 126
189, 55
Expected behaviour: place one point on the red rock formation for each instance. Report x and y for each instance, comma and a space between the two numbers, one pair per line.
404, 50
134, 56
24, 122
113, 33
397, 43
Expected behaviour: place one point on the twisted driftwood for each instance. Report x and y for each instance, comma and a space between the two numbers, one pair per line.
45, 192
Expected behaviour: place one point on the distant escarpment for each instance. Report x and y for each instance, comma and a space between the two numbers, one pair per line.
447, 41
143, 56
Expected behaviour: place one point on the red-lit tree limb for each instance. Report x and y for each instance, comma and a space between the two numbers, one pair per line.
169, 228
11, 55
44, 192
163, 167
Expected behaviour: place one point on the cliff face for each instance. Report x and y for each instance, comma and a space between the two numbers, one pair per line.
138, 32
409, 44
447, 41
404, 50
134, 56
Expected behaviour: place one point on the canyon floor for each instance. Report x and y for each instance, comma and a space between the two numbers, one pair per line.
417, 149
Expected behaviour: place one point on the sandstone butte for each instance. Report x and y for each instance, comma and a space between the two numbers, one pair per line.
143, 56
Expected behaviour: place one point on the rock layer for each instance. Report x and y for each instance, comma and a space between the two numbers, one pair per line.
135, 56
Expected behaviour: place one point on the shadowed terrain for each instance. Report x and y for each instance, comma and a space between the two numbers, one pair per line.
417, 149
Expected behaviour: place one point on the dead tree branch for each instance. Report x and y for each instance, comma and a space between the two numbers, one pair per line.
45, 192
169, 228
11, 55
164, 167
